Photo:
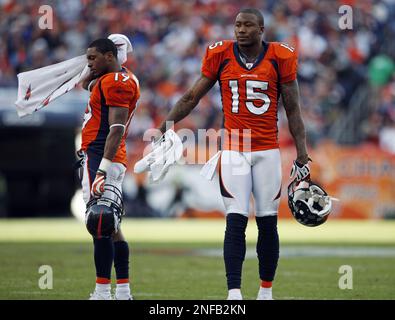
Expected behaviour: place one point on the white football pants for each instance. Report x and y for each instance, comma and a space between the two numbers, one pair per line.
115, 176
243, 173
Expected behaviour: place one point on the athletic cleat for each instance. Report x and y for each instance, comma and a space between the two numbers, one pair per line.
234, 294
123, 297
264, 294
100, 296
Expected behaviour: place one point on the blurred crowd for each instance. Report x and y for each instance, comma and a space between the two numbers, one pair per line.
169, 38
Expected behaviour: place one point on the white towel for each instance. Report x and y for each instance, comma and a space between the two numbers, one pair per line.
37, 88
166, 152
208, 170
123, 45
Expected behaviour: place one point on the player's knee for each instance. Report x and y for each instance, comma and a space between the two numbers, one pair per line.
270, 212
236, 206
236, 223
267, 223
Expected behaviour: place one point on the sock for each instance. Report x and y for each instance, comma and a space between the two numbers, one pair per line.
122, 289
267, 248
103, 288
265, 290
265, 294
266, 284
234, 248
104, 255
121, 262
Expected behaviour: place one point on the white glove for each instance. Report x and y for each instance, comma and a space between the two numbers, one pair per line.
300, 171
100, 180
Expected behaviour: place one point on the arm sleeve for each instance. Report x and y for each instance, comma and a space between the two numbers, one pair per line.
210, 64
116, 92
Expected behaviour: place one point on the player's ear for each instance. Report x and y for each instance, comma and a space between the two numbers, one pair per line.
261, 29
109, 56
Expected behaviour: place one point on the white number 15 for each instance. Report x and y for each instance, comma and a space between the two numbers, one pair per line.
251, 94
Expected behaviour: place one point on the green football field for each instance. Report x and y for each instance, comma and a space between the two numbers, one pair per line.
182, 259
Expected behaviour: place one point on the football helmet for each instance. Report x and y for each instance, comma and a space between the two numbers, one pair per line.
309, 203
103, 215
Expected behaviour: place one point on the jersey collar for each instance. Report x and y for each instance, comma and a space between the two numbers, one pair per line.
260, 58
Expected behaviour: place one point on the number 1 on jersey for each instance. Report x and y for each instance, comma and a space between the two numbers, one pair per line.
234, 87
125, 77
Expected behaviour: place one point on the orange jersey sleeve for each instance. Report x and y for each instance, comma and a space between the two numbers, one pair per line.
213, 58
118, 90
287, 59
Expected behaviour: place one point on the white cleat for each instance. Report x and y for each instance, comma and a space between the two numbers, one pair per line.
123, 297
234, 294
100, 296
265, 294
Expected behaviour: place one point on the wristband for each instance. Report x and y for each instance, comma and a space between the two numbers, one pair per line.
118, 125
105, 164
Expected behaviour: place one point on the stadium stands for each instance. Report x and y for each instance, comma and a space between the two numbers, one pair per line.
346, 77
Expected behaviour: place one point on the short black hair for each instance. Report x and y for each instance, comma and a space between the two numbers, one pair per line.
255, 12
104, 45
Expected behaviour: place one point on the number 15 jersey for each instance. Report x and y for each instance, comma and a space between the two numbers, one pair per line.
250, 95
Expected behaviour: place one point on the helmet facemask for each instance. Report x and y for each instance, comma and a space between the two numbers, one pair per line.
309, 203
103, 215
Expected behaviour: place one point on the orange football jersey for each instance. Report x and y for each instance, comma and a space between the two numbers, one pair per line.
115, 89
250, 96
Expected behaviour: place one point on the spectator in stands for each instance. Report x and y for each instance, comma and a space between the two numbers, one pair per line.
169, 37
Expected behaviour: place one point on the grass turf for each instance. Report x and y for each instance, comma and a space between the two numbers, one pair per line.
166, 265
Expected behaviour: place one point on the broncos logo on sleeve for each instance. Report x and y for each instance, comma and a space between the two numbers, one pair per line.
250, 92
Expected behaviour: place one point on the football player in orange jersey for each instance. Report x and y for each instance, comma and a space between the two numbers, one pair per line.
114, 93
252, 74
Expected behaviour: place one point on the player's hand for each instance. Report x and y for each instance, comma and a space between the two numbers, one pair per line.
98, 183
300, 171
